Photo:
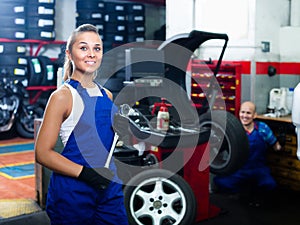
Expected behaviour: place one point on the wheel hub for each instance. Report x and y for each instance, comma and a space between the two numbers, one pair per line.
157, 204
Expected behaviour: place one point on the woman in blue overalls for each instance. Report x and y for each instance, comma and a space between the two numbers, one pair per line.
255, 171
81, 189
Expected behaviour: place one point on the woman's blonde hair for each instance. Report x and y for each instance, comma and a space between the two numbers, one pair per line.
68, 66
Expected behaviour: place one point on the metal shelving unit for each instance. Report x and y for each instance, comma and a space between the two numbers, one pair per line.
228, 78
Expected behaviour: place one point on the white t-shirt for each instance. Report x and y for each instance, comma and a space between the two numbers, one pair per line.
77, 108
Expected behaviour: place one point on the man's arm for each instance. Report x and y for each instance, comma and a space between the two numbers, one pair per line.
269, 136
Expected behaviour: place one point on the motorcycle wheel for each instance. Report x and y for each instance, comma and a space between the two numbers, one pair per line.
229, 147
159, 197
25, 122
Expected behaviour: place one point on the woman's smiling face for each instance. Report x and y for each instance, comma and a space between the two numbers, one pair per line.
86, 54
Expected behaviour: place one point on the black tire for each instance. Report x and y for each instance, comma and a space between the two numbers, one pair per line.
159, 197
98, 23
90, 15
13, 60
115, 7
49, 71
8, 8
16, 71
36, 22
136, 18
90, 5
116, 28
135, 9
35, 73
115, 18
25, 122
42, 34
136, 28
13, 33
229, 147
47, 12
13, 48
13, 21
136, 38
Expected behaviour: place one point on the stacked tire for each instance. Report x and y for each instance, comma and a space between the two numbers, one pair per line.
135, 22
13, 61
41, 71
13, 19
115, 32
30, 70
91, 12
40, 23
118, 22
27, 19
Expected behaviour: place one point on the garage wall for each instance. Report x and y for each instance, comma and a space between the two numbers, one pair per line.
268, 22
65, 18
260, 22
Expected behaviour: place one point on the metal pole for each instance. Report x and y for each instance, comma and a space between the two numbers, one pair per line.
111, 152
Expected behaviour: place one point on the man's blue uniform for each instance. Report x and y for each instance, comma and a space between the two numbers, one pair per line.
71, 201
255, 170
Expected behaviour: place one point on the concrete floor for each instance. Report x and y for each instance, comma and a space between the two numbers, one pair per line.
282, 209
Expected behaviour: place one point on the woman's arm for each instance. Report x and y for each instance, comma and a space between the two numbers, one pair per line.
57, 110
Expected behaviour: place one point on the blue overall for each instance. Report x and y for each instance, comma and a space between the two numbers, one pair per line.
71, 201
254, 173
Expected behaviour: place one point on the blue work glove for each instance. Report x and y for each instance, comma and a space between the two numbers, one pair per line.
98, 178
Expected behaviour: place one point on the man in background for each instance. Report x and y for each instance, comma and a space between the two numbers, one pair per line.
255, 175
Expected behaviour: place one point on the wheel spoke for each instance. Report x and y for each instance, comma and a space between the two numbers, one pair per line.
158, 189
171, 213
172, 197
156, 220
142, 212
143, 195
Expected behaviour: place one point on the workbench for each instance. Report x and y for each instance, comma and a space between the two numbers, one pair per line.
284, 165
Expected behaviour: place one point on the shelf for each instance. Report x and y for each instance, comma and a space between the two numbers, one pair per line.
228, 78
152, 2
40, 90
32, 42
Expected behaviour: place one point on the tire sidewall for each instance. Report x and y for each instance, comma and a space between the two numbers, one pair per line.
234, 135
21, 130
130, 188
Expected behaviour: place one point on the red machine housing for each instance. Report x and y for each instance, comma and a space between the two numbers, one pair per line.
195, 172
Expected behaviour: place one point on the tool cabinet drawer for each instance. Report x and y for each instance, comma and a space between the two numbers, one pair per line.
290, 149
288, 173
290, 162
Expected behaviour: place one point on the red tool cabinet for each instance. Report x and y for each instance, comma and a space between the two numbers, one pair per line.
228, 78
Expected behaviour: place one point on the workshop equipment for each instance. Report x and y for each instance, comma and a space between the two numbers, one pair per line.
163, 115
278, 102
184, 149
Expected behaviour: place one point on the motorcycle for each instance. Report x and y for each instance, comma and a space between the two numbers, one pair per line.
15, 108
